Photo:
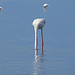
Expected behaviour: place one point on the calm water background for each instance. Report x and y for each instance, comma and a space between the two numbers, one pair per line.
17, 54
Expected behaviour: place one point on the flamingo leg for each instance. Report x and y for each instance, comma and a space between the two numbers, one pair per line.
37, 42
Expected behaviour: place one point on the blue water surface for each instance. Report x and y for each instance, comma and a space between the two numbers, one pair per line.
17, 54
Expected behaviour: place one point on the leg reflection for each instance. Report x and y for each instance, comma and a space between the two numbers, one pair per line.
38, 66
42, 50
36, 55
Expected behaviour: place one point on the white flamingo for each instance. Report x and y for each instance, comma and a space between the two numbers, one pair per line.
45, 6
38, 24
1, 8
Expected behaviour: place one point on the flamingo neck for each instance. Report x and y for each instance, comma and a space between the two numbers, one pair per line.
36, 39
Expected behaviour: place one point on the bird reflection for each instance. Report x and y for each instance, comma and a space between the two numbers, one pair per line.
38, 65
0, 11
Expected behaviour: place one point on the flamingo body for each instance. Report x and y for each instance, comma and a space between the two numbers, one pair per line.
1, 8
38, 24
45, 6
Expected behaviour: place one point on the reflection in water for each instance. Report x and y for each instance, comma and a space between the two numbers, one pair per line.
0, 11
38, 66
45, 9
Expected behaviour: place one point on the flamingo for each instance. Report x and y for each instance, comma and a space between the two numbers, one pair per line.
45, 6
38, 24
1, 8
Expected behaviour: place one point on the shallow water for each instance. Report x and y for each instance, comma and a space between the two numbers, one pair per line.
17, 54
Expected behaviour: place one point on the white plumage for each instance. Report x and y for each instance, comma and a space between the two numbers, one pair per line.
38, 24
1, 8
45, 6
